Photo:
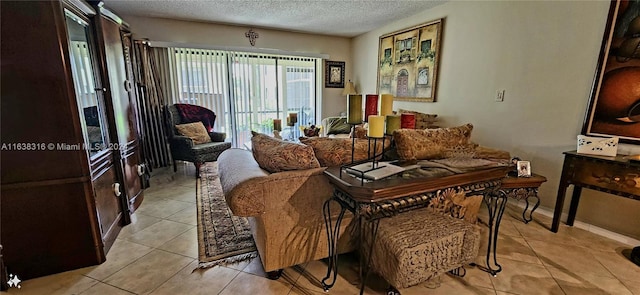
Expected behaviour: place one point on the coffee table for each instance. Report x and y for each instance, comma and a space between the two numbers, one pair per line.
371, 201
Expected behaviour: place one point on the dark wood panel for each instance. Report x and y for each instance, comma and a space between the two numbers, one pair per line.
46, 229
108, 206
133, 182
38, 105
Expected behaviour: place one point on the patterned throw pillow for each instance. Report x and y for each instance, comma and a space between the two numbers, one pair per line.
423, 121
425, 144
275, 155
337, 151
195, 131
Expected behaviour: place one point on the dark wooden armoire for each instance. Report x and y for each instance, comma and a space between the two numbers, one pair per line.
70, 160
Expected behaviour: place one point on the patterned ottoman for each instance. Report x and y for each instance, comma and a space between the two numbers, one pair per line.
418, 245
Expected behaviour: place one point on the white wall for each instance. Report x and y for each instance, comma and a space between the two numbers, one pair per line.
544, 53
166, 30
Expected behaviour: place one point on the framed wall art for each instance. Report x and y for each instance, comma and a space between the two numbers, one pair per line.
614, 105
333, 74
408, 62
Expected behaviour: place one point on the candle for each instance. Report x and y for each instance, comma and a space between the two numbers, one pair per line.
393, 124
294, 117
386, 104
289, 123
376, 126
277, 124
354, 109
370, 106
408, 121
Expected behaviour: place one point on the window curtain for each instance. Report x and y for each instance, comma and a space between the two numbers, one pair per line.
151, 73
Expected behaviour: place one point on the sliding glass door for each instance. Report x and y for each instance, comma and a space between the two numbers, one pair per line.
246, 90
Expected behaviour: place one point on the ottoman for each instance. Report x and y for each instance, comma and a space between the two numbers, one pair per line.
415, 246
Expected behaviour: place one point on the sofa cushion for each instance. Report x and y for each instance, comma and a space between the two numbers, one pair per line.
337, 125
337, 151
195, 131
424, 144
275, 155
423, 121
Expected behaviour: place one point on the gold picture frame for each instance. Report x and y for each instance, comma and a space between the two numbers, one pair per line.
408, 62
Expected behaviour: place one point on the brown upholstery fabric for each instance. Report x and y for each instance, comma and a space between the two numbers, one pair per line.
275, 155
195, 131
418, 245
423, 121
337, 151
416, 144
457, 205
284, 209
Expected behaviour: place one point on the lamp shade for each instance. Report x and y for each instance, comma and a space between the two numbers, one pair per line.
349, 89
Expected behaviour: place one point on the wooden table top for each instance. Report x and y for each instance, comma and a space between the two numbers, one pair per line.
394, 187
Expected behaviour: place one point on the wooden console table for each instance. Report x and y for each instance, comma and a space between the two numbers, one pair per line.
387, 197
614, 175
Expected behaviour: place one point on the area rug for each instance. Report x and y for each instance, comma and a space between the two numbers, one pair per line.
222, 237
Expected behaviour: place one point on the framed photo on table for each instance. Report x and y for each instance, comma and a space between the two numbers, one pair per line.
614, 106
333, 74
524, 168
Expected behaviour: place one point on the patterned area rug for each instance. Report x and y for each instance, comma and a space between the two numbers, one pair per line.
222, 237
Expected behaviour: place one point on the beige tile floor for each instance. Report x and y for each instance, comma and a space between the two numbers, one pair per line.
157, 254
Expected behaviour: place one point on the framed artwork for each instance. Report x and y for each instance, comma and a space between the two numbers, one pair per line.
333, 74
524, 168
408, 62
614, 105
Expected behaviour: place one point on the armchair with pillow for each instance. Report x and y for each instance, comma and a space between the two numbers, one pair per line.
189, 139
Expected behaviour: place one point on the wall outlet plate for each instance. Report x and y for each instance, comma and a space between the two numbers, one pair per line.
500, 95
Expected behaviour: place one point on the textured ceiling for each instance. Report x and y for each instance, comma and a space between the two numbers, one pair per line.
347, 18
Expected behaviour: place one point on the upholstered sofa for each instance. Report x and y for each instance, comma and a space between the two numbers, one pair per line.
284, 209
282, 193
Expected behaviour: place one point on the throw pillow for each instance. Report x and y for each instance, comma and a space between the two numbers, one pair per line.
195, 131
425, 144
275, 155
456, 204
337, 151
423, 121
338, 125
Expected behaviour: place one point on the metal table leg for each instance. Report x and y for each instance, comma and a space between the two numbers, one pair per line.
530, 193
333, 233
496, 203
364, 269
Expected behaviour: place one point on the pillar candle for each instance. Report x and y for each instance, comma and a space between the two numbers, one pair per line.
289, 123
370, 106
408, 121
386, 104
294, 117
393, 124
354, 109
277, 124
376, 126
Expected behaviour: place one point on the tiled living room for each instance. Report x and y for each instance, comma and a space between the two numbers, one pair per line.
157, 254
528, 77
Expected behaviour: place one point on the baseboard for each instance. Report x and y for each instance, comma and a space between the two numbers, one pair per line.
585, 226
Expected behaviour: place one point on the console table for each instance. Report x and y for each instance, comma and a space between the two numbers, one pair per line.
615, 175
384, 198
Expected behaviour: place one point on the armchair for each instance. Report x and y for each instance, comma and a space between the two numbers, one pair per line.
182, 147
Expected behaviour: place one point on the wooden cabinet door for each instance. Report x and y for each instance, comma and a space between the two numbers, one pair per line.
118, 65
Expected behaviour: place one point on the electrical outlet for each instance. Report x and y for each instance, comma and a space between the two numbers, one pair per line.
500, 95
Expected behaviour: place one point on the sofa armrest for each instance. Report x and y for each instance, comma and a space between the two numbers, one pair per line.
217, 136
247, 187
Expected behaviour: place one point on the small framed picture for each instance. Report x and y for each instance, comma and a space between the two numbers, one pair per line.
524, 168
334, 74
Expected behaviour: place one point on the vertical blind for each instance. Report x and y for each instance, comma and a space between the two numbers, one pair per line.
245, 90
